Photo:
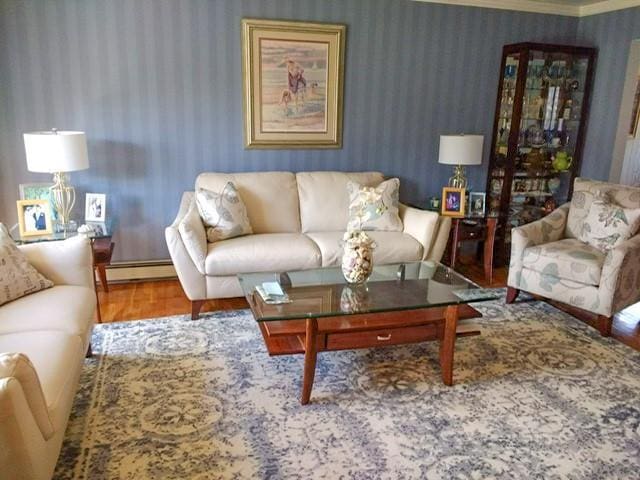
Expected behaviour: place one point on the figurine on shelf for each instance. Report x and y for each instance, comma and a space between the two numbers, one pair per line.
561, 161
553, 184
549, 206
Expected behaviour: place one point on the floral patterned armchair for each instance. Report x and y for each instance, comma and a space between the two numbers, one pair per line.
548, 259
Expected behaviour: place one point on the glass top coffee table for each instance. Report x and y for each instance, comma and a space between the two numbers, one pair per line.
399, 304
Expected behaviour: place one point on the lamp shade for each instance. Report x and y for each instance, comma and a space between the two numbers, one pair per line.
461, 149
56, 151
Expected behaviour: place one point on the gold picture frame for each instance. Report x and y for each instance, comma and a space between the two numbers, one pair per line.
453, 202
293, 80
34, 217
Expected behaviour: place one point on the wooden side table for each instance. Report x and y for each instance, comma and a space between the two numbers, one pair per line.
102, 252
476, 229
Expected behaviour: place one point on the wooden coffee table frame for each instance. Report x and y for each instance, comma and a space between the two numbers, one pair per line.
309, 336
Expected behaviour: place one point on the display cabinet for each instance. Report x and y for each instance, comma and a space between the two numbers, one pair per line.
538, 134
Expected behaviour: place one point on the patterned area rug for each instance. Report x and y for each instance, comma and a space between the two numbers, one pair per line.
537, 395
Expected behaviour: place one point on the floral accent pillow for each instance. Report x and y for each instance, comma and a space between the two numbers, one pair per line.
374, 208
17, 276
224, 214
607, 224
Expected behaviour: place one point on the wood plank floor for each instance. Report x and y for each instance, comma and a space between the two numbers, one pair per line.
141, 300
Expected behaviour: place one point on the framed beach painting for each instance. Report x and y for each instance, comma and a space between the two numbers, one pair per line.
292, 84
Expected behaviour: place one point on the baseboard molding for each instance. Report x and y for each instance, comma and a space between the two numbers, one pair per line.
135, 271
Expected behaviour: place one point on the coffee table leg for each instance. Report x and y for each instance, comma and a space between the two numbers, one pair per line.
447, 344
310, 356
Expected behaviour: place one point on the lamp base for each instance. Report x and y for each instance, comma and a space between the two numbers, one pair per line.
70, 227
458, 180
64, 197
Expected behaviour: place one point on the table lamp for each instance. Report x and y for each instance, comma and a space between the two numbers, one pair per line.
58, 152
460, 150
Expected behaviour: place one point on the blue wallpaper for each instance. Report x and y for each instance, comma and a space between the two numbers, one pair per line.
612, 33
156, 84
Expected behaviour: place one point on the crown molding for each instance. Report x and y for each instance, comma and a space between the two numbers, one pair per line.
607, 6
549, 7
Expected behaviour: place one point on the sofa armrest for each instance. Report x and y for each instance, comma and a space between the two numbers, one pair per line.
421, 225
65, 262
620, 280
18, 367
546, 230
188, 262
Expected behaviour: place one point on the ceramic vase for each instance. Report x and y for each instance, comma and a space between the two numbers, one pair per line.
357, 259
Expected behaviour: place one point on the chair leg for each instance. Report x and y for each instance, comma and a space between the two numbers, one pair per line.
604, 325
196, 306
512, 294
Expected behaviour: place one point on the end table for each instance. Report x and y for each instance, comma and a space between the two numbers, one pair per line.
467, 229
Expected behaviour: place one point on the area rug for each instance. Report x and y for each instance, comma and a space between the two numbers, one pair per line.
537, 395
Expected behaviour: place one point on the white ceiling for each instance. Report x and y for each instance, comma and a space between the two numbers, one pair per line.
573, 8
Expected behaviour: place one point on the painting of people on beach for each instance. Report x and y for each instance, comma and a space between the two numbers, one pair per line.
293, 81
294, 86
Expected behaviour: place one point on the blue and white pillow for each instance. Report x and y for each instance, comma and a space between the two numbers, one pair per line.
224, 214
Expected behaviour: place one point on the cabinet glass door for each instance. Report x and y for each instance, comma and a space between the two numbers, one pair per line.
549, 124
505, 116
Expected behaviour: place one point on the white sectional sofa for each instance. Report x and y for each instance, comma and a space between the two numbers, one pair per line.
52, 329
298, 220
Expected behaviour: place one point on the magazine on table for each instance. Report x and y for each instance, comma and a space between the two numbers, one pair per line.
272, 293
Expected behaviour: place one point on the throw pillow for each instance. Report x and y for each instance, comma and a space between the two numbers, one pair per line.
223, 213
607, 224
17, 276
374, 208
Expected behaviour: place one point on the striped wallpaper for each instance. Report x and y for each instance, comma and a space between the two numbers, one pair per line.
612, 33
156, 84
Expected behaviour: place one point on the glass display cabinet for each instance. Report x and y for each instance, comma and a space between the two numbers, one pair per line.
539, 129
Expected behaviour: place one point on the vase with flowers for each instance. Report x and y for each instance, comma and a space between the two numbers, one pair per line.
357, 259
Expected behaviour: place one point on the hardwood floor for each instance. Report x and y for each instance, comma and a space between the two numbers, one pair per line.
140, 300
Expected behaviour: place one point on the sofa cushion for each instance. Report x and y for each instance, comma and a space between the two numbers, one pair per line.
584, 193
63, 307
57, 359
324, 200
374, 208
17, 276
262, 253
271, 198
224, 213
391, 247
569, 259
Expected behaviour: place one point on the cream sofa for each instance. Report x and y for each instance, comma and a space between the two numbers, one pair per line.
43, 340
548, 259
298, 220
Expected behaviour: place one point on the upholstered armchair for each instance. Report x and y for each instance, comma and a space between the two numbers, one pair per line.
549, 259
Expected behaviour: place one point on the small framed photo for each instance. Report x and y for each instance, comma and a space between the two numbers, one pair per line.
38, 191
34, 217
453, 201
95, 208
477, 202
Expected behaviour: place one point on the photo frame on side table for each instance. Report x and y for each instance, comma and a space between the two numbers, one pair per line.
477, 204
38, 191
453, 202
34, 217
293, 77
95, 207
